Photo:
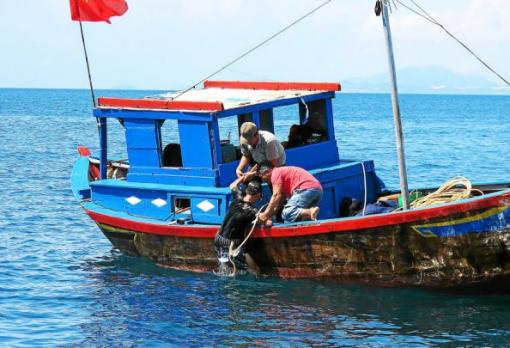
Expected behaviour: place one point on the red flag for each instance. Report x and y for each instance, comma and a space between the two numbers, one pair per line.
97, 10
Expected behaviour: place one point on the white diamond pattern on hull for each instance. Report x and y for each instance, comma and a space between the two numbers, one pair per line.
133, 200
158, 202
205, 206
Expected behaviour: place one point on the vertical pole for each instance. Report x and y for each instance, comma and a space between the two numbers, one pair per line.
396, 108
103, 141
88, 65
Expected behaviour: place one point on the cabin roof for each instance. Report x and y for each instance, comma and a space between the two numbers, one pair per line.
218, 96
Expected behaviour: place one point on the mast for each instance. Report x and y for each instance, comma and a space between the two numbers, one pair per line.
384, 6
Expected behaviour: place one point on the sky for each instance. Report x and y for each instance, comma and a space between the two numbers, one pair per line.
171, 44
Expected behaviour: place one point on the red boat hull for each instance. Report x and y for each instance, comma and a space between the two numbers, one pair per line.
463, 245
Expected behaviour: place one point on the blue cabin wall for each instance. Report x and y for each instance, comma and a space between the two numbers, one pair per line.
142, 141
196, 144
346, 180
308, 157
157, 201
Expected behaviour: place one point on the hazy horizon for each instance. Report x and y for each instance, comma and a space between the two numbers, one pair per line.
162, 45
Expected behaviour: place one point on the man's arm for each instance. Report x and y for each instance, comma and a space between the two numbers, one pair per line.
246, 177
245, 160
236, 182
274, 204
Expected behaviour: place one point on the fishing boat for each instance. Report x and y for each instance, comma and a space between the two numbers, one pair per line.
166, 203
167, 200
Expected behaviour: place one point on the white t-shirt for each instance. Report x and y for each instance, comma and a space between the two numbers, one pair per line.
268, 148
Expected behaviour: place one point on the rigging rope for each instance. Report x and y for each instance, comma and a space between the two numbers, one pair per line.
425, 15
235, 60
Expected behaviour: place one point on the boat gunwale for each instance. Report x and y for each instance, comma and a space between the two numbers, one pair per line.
301, 229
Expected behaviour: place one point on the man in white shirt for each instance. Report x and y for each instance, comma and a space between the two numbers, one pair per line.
259, 146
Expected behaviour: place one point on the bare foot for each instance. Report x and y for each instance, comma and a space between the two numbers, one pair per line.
314, 212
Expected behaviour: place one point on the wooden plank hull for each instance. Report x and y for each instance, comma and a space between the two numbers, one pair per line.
464, 246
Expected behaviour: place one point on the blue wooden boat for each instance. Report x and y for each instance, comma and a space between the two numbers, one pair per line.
167, 201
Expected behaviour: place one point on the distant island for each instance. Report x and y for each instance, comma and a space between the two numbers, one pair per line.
428, 80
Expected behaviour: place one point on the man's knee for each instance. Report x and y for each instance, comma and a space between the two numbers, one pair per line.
291, 213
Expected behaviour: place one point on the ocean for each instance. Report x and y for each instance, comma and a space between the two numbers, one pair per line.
61, 283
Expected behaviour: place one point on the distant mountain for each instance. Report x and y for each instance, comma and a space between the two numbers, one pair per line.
426, 80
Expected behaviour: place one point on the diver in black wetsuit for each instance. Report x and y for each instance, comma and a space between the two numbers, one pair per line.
238, 220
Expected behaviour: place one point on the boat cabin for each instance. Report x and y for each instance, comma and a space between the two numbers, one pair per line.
183, 148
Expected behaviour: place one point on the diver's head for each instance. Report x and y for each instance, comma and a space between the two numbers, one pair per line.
253, 191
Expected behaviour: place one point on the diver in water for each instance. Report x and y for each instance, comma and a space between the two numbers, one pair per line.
239, 218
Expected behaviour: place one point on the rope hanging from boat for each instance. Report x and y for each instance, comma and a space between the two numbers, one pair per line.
425, 15
238, 58
234, 252
455, 189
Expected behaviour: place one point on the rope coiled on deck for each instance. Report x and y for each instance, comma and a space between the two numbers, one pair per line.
455, 189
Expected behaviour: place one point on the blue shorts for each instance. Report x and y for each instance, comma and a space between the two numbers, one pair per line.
301, 199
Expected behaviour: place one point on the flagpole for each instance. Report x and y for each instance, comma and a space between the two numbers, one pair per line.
101, 122
88, 65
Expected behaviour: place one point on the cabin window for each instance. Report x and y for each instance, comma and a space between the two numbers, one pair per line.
229, 139
313, 114
302, 124
117, 150
182, 205
171, 155
244, 118
266, 120
284, 117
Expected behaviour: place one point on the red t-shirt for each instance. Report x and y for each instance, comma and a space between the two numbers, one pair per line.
290, 179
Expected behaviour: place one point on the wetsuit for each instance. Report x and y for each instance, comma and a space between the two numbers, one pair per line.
238, 219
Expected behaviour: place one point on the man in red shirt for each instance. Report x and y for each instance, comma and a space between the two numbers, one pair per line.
301, 189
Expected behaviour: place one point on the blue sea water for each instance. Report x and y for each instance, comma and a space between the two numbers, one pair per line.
61, 284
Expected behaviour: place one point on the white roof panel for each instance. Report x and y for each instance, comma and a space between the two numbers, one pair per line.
234, 98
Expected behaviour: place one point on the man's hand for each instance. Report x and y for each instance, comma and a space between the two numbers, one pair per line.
245, 160
263, 217
251, 173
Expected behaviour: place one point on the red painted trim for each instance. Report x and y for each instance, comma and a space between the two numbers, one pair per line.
159, 104
275, 86
343, 225
164, 230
